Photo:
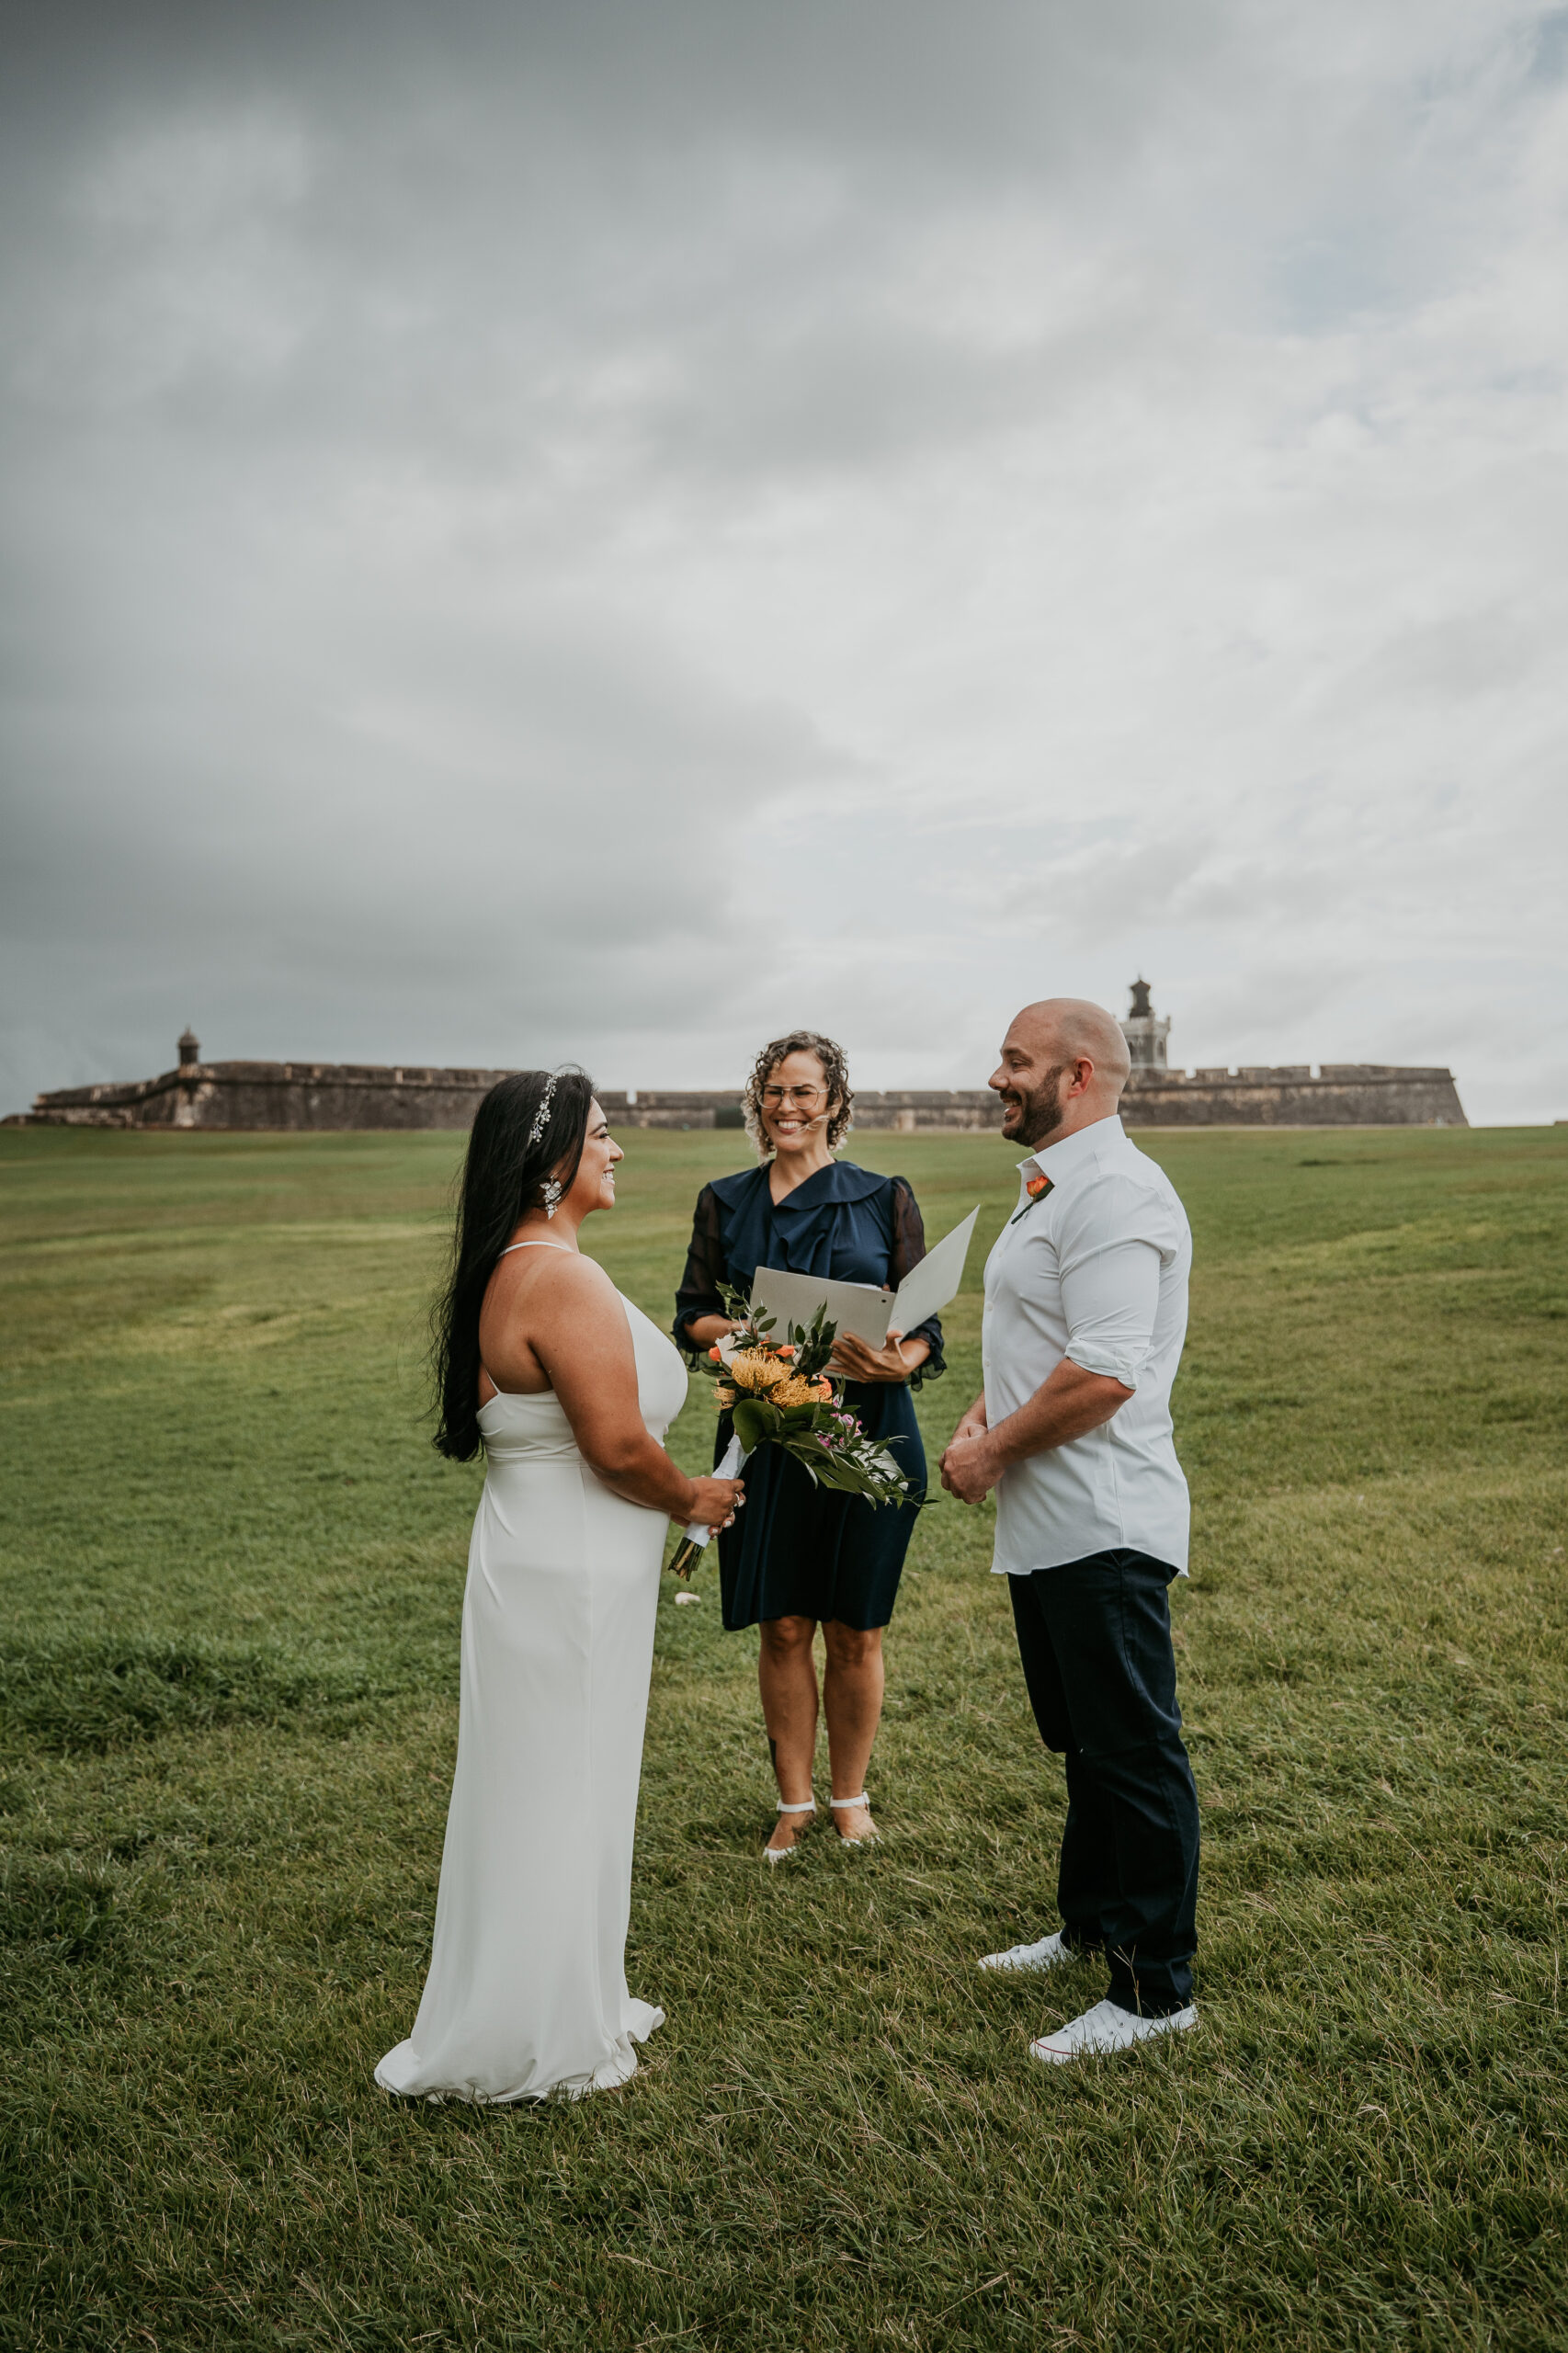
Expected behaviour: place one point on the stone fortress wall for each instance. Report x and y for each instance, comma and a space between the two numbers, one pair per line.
270, 1095
303, 1096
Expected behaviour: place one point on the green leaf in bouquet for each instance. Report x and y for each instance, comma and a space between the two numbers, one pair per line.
844, 1477
813, 1344
738, 1307
828, 1473
754, 1423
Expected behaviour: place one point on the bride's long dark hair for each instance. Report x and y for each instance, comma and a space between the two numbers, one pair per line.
503, 1176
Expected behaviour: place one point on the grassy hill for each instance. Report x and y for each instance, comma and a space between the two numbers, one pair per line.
232, 1575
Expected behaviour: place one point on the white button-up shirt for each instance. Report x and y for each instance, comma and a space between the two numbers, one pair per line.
1095, 1269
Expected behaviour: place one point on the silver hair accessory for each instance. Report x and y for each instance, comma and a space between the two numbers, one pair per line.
552, 1196
543, 1115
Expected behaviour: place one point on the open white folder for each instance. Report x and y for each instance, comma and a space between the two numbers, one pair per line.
861, 1308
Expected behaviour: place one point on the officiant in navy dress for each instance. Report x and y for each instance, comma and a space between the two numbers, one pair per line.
800, 1556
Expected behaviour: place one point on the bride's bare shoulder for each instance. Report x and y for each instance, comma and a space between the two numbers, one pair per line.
569, 1277
575, 1304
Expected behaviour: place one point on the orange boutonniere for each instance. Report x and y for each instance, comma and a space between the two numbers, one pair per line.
1037, 1189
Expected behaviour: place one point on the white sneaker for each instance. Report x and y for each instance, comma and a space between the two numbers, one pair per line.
1034, 1960
1106, 2028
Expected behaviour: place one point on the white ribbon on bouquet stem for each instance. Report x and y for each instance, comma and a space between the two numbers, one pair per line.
729, 1466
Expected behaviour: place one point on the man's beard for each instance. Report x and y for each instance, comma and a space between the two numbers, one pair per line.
1040, 1114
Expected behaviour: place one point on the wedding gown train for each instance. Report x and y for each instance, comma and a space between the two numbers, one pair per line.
525, 1996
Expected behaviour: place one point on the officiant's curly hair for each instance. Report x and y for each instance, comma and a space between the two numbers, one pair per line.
835, 1070
503, 1176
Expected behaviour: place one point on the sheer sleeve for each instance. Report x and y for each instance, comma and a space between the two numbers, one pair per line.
705, 1269
908, 1249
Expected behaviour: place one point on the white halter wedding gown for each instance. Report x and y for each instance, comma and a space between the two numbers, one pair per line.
527, 1995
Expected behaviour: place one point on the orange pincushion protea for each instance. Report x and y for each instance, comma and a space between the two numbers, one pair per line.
798, 1391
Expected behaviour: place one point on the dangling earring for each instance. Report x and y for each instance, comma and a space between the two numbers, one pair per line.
552, 1196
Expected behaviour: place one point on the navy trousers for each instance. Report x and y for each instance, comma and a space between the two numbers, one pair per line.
1095, 1638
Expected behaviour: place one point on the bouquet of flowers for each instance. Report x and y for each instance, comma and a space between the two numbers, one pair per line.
778, 1393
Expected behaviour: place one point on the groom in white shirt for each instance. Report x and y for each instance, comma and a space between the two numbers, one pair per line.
1085, 1312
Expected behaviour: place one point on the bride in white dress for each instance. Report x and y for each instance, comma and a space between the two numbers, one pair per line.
569, 1389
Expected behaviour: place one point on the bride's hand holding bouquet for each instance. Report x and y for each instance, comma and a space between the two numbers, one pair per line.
714, 1502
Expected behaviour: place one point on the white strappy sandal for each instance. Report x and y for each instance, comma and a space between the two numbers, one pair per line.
843, 1805
782, 1854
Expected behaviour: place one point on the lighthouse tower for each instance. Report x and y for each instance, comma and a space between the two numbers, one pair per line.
1145, 1033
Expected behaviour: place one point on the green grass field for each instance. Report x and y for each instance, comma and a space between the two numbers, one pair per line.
232, 1579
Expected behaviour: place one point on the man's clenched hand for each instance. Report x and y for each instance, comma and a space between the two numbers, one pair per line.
968, 1472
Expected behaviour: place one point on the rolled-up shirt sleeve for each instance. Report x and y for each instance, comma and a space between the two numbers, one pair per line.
1109, 1267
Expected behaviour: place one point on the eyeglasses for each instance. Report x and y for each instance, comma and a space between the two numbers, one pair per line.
799, 1098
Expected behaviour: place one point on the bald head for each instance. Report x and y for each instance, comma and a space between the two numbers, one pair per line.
1075, 1030
1065, 1062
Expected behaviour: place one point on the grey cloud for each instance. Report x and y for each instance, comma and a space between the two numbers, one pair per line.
1458, 659
494, 500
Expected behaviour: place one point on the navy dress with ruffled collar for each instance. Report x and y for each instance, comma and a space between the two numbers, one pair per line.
797, 1551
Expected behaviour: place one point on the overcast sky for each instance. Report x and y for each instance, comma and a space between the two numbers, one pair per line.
602, 531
